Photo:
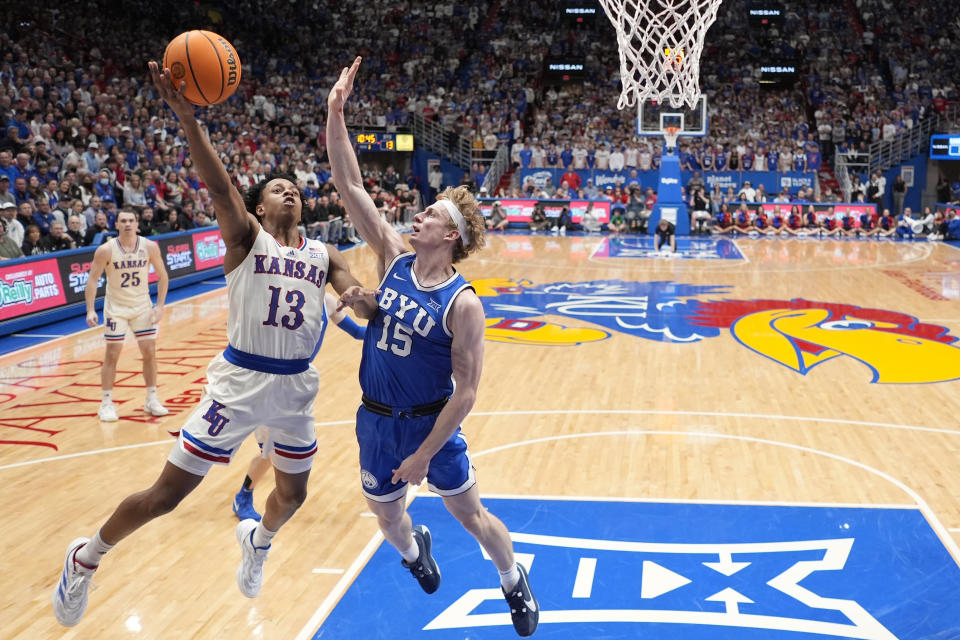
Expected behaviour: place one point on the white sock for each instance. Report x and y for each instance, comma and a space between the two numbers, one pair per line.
107, 396
510, 577
411, 553
151, 393
90, 553
262, 536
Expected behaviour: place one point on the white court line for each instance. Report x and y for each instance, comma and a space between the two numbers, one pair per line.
99, 327
343, 584
714, 414
928, 513
82, 454
39, 335
749, 503
538, 412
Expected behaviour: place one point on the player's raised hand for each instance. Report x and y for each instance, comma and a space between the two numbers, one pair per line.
344, 86
357, 295
170, 92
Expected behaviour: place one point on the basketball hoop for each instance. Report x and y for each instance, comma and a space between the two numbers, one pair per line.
671, 134
660, 43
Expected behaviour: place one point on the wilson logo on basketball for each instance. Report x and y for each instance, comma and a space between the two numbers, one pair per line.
232, 68
799, 334
178, 70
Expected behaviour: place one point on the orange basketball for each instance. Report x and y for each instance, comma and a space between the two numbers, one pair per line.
207, 62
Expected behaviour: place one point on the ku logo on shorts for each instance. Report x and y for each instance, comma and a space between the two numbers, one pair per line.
216, 420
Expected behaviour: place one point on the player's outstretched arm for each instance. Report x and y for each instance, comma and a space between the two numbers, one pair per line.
381, 237
237, 227
100, 258
362, 301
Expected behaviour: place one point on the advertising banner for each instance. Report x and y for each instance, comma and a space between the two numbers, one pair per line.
30, 287
59, 279
522, 210
772, 181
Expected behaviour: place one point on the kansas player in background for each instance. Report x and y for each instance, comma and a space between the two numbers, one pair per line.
430, 326
275, 324
127, 259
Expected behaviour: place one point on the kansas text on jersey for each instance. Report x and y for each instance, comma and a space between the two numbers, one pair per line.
277, 319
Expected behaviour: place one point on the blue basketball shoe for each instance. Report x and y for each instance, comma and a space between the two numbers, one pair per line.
424, 568
243, 506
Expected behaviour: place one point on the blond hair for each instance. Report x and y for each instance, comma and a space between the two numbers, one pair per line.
463, 198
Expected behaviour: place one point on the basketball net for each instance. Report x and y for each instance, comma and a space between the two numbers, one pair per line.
671, 134
660, 43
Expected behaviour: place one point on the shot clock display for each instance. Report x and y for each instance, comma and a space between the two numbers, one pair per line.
383, 141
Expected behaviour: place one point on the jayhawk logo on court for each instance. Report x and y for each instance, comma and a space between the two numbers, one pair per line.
798, 334
652, 310
801, 334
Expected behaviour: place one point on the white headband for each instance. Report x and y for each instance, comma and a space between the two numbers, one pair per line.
458, 220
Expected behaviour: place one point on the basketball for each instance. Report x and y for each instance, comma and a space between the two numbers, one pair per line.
207, 62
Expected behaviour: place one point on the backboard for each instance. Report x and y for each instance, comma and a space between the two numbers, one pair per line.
653, 118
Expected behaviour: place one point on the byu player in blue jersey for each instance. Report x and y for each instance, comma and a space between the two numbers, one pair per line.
421, 364
276, 281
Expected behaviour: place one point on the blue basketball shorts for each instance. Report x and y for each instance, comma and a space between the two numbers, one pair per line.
386, 441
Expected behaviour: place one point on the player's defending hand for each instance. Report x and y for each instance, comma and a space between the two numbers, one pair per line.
169, 91
357, 295
92, 319
341, 90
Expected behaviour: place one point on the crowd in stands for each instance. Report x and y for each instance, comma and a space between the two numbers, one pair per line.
86, 135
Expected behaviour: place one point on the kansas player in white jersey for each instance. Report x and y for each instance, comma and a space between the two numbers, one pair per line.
421, 365
127, 260
275, 289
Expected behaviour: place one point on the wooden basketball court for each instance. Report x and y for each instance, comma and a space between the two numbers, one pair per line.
617, 390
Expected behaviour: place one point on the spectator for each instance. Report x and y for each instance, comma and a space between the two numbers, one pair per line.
9, 249
899, 192
146, 222
75, 230
31, 242
134, 194
57, 240
7, 196
435, 180
747, 193
618, 223
498, 218
99, 226
14, 228
538, 219
43, 217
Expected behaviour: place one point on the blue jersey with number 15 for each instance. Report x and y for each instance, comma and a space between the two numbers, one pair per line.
406, 349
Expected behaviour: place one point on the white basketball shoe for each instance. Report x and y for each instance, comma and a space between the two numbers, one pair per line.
154, 408
250, 571
70, 595
108, 412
